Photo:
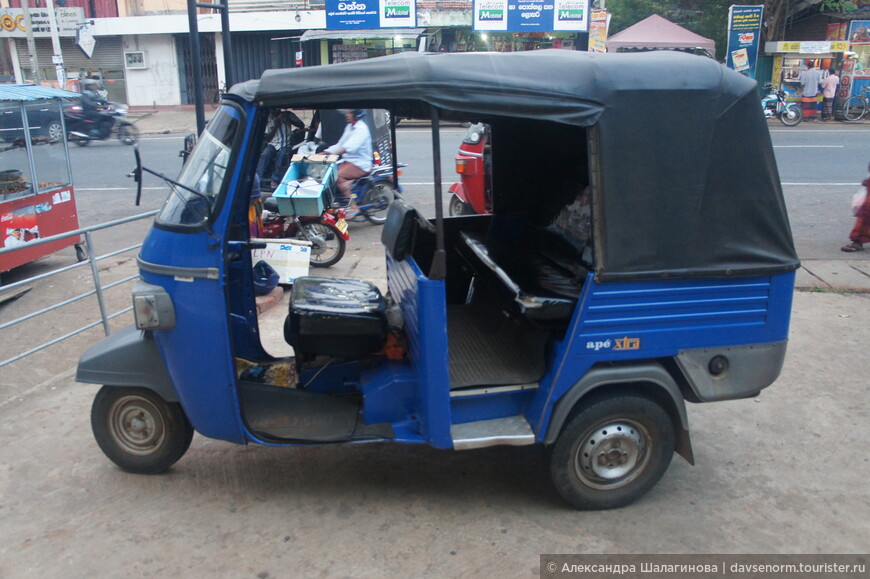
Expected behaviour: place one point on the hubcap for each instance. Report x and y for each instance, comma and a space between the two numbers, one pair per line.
613, 454
136, 425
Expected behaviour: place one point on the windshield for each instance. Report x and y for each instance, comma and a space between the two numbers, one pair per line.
204, 172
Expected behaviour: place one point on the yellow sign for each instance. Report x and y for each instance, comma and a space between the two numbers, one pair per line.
627, 343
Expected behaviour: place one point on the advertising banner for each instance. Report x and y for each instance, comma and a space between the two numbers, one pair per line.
360, 14
531, 15
744, 36
598, 31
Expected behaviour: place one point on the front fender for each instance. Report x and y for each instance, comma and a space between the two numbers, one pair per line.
128, 357
657, 382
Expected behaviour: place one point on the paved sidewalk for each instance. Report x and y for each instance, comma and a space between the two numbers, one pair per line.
852, 273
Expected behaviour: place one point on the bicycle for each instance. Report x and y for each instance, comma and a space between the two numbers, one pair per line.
857, 106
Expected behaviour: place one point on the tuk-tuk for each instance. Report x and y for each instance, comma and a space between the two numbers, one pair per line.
638, 256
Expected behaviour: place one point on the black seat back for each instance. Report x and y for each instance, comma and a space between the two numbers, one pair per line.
400, 229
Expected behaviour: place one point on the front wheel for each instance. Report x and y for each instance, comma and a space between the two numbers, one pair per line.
128, 134
327, 244
791, 116
80, 141
138, 430
612, 452
54, 130
376, 201
854, 108
457, 207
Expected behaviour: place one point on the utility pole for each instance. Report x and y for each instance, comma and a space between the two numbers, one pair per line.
57, 57
31, 43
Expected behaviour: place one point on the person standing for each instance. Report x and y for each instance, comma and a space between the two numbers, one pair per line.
829, 90
810, 80
861, 231
355, 148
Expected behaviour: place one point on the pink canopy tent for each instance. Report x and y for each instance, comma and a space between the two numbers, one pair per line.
657, 33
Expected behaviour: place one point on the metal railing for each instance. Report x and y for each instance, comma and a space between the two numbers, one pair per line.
98, 291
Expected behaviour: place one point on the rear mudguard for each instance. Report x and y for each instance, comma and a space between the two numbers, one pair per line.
650, 378
127, 358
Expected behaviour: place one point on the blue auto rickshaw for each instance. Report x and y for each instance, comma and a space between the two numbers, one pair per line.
638, 256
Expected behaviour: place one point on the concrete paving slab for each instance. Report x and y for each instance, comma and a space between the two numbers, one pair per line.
839, 274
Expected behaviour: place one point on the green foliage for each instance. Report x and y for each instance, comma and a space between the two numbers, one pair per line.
842, 6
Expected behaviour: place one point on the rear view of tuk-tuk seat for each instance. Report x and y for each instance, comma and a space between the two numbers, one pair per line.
335, 317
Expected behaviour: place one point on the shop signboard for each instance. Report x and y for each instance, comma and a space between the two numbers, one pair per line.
744, 36
14, 25
531, 15
859, 37
367, 14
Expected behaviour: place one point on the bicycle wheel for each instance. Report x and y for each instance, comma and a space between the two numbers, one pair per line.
376, 200
855, 108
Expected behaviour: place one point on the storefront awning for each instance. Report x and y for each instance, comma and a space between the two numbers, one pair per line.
363, 34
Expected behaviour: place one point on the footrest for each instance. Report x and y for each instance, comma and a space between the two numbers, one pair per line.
512, 431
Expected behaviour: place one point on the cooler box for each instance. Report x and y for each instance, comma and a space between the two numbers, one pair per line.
307, 181
289, 257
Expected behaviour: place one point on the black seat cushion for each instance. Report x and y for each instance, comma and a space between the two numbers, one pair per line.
400, 229
335, 317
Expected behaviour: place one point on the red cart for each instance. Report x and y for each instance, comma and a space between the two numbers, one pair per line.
36, 191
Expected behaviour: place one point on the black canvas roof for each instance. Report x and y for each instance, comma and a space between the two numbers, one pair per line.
685, 180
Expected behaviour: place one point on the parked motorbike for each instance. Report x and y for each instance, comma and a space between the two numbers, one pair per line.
327, 233
83, 130
776, 105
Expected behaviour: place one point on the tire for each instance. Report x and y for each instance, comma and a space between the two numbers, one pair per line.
854, 108
630, 424
80, 141
381, 196
128, 134
457, 207
54, 131
791, 116
138, 430
81, 254
327, 244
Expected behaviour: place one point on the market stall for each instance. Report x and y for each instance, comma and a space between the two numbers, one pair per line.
36, 191
657, 33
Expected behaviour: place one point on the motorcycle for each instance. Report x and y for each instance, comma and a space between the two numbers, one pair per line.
83, 130
472, 195
776, 105
327, 233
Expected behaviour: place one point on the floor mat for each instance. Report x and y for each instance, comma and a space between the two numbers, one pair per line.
486, 348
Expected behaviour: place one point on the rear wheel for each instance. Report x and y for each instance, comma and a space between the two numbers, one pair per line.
791, 116
55, 130
128, 134
612, 452
376, 201
854, 108
138, 430
327, 244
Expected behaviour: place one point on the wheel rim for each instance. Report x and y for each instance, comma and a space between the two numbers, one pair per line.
324, 242
136, 425
55, 131
455, 207
613, 454
380, 199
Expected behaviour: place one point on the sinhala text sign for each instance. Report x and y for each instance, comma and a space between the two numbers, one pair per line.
359, 14
744, 36
13, 23
531, 15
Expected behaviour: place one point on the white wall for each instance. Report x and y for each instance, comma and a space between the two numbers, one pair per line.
158, 84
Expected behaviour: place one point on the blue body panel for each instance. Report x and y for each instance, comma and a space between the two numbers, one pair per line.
424, 307
645, 320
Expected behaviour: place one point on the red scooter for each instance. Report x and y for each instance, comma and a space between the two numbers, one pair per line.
327, 233
473, 194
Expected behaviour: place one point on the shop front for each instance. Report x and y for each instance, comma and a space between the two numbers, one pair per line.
349, 45
791, 58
